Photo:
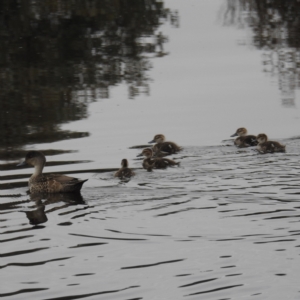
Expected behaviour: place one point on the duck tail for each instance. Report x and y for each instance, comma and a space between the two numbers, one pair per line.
77, 186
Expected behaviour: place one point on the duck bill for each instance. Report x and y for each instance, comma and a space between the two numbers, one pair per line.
151, 142
235, 134
139, 155
22, 164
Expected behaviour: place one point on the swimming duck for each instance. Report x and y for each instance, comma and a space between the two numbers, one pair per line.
50, 183
158, 153
151, 162
244, 140
265, 146
162, 145
124, 171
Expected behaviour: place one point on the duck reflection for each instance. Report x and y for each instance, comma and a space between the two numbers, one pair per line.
38, 213
37, 216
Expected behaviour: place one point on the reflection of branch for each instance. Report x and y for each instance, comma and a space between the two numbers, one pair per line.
233, 13
59, 56
275, 25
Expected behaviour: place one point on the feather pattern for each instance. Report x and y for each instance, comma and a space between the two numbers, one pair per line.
50, 183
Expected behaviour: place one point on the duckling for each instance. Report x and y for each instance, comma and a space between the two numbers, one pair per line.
265, 146
50, 183
124, 171
162, 145
159, 153
151, 162
244, 140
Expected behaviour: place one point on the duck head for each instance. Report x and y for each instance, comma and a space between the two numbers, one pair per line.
124, 163
240, 132
147, 152
34, 158
159, 138
261, 138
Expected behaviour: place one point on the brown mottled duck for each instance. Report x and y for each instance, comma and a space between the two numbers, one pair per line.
50, 183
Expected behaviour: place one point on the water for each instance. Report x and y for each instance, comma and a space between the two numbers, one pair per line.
222, 225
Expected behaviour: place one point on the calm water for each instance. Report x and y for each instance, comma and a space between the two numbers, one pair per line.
83, 81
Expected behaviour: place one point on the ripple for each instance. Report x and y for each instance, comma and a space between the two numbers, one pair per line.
16, 238
90, 294
87, 245
216, 290
276, 241
15, 253
198, 282
152, 265
34, 263
106, 238
23, 291
232, 215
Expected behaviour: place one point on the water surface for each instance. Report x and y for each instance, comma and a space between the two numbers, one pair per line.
84, 82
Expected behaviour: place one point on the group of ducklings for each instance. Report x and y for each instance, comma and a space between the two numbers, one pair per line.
154, 159
57, 183
263, 145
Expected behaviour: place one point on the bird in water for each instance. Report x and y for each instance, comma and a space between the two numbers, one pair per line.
124, 171
244, 140
49, 183
163, 146
151, 162
265, 146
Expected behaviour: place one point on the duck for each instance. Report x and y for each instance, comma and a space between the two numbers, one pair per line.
265, 146
124, 171
158, 153
244, 140
50, 183
163, 146
151, 162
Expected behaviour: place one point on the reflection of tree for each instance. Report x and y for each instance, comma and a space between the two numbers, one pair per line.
55, 56
276, 26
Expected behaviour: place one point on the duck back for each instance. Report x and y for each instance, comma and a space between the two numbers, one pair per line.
124, 173
148, 163
158, 163
246, 141
167, 147
270, 147
54, 183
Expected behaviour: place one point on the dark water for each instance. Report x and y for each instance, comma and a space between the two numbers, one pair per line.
223, 225
57, 57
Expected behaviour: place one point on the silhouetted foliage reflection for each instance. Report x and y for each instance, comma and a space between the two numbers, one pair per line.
276, 26
56, 56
